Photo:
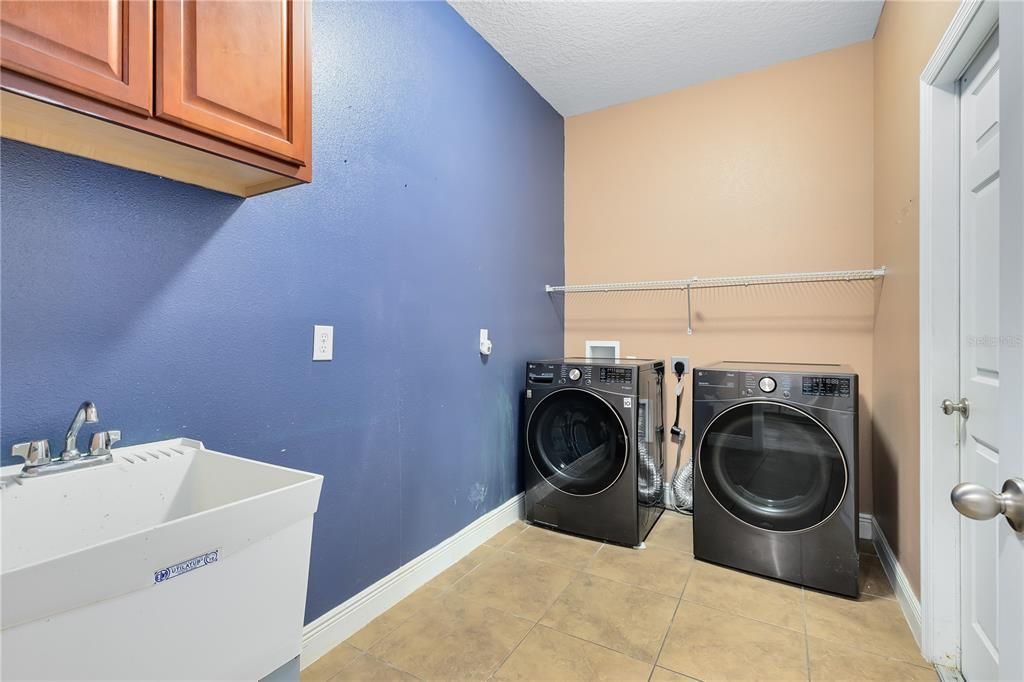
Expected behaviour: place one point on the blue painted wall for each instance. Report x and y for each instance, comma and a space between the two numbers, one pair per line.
436, 209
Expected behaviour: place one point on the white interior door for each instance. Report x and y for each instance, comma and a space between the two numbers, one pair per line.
984, 458
979, 354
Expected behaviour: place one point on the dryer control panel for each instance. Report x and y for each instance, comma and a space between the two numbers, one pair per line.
828, 386
837, 392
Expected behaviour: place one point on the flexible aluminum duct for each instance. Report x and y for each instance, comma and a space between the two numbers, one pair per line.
681, 487
650, 482
682, 481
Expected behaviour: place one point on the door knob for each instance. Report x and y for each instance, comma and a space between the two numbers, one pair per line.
975, 501
963, 407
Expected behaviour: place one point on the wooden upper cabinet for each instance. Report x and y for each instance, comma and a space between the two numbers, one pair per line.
211, 92
99, 48
238, 71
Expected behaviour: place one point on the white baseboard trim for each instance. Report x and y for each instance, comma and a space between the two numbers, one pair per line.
901, 586
866, 531
344, 620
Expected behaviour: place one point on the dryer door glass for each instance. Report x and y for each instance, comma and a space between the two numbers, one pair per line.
577, 442
773, 466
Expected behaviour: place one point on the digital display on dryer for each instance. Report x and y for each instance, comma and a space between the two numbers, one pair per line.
616, 375
826, 386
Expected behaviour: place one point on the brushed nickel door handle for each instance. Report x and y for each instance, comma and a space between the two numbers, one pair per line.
963, 407
975, 501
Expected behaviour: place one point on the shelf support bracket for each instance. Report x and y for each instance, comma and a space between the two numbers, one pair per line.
689, 310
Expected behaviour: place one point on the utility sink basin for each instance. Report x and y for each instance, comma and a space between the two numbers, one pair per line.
172, 562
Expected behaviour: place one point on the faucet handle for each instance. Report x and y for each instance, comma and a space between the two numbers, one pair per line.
35, 453
101, 442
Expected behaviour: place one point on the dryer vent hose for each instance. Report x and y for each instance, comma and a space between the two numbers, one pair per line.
650, 483
682, 480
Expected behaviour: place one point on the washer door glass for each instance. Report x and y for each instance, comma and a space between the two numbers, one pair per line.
773, 466
577, 442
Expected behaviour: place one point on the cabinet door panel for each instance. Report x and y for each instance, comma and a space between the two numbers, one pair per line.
99, 48
236, 70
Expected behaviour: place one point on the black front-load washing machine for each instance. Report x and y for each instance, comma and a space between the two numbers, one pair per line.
593, 446
775, 484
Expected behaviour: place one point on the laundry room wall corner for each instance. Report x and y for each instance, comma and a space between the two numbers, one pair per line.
906, 37
730, 177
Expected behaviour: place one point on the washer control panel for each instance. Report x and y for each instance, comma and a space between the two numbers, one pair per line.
574, 376
610, 378
763, 384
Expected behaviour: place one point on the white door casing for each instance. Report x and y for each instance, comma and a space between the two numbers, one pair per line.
979, 355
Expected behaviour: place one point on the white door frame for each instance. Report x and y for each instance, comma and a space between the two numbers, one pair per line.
939, 315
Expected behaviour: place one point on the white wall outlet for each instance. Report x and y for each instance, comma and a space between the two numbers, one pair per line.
323, 342
679, 359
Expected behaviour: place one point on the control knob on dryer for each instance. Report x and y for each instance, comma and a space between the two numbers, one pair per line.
767, 384
574, 374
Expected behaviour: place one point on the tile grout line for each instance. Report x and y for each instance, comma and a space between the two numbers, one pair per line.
673, 622
861, 648
450, 589
512, 539
807, 638
580, 573
584, 639
639, 587
597, 644
585, 571
365, 654
714, 607
664, 638
441, 591
632, 586
532, 627
496, 668
395, 668
585, 568
558, 596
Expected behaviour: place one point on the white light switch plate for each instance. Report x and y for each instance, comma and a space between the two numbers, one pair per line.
323, 342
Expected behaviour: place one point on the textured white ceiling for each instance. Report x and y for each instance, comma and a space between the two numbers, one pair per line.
582, 56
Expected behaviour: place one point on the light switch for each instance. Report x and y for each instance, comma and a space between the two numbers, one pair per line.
323, 342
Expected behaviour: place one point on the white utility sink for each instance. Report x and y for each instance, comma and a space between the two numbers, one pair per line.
171, 562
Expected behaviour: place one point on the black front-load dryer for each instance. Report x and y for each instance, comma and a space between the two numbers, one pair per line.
593, 446
775, 484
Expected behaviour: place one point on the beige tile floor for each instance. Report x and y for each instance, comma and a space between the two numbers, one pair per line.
532, 604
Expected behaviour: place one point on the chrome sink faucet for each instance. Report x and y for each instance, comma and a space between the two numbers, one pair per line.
37, 453
86, 414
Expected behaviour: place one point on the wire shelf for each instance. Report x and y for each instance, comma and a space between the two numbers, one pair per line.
712, 282
688, 285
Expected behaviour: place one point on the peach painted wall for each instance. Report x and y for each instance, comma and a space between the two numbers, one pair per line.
769, 171
907, 34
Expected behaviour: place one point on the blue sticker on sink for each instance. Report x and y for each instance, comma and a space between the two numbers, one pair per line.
185, 566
